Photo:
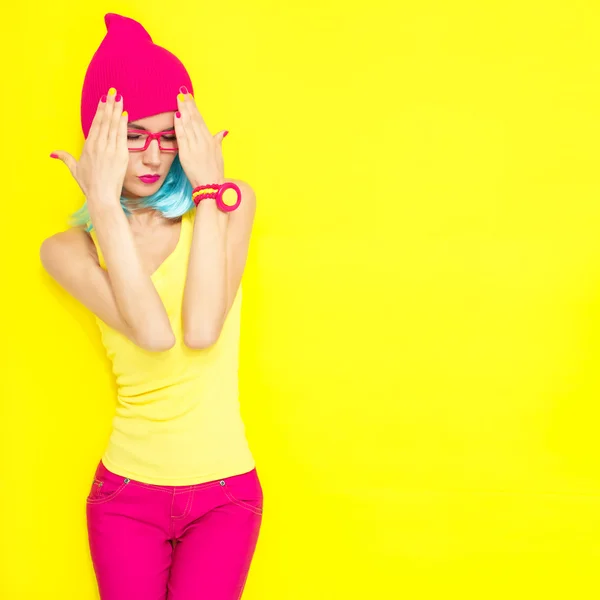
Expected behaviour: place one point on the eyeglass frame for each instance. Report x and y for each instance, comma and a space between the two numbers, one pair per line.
152, 136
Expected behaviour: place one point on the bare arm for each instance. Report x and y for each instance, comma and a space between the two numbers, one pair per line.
220, 240
139, 303
218, 257
70, 258
126, 297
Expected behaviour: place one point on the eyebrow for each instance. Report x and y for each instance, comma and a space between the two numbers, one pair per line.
138, 126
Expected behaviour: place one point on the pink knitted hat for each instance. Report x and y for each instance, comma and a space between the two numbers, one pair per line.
148, 76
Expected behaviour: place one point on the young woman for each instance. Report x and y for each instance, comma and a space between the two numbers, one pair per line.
157, 254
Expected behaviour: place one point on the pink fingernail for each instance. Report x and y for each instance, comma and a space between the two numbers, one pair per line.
183, 89
103, 99
54, 155
225, 134
178, 115
118, 98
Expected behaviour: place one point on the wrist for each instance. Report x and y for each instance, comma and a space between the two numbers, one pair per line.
210, 205
208, 209
227, 196
103, 198
197, 182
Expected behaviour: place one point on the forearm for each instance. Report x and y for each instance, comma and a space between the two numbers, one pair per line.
139, 303
205, 294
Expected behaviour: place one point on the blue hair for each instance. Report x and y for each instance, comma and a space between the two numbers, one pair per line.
173, 199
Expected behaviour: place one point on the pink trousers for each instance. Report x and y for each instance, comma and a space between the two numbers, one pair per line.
155, 542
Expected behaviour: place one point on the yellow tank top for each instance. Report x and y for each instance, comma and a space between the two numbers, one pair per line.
177, 419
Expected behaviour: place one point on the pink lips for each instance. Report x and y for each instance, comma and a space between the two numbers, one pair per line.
149, 178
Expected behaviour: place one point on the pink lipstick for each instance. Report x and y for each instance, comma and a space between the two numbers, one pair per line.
149, 178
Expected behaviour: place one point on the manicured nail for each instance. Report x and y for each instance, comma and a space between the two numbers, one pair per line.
112, 92
118, 98
183, 89
180, 97
54, 155
178, 115
103, 99
225, 134
125, 114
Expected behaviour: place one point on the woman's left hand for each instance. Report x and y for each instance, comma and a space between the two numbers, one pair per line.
200, 152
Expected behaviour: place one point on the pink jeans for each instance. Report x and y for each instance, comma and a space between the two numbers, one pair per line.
156, 542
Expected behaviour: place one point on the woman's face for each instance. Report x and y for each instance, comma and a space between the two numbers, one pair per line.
151, 161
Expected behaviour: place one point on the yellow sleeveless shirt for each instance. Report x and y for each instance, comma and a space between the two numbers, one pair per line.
178, 418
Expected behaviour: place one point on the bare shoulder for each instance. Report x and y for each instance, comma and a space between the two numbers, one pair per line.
248, 206
70, 258
73, 242
244, 186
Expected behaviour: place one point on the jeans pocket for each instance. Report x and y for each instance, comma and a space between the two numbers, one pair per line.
105, 486
244, 491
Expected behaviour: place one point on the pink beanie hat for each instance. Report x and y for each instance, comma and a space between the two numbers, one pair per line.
148, 76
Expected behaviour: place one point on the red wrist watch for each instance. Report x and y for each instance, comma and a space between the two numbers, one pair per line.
228, 195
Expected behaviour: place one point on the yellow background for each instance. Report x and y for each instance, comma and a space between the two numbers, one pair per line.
421, 339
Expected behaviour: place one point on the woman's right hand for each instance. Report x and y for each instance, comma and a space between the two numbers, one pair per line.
101, 168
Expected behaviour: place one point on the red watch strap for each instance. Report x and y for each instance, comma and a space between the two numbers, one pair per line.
216, 191
203, 192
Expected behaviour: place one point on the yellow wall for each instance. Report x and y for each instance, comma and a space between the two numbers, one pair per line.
421, 342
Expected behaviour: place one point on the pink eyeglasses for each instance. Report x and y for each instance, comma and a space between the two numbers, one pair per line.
139, 139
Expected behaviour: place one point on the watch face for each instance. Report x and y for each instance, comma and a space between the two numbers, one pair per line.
229, 196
